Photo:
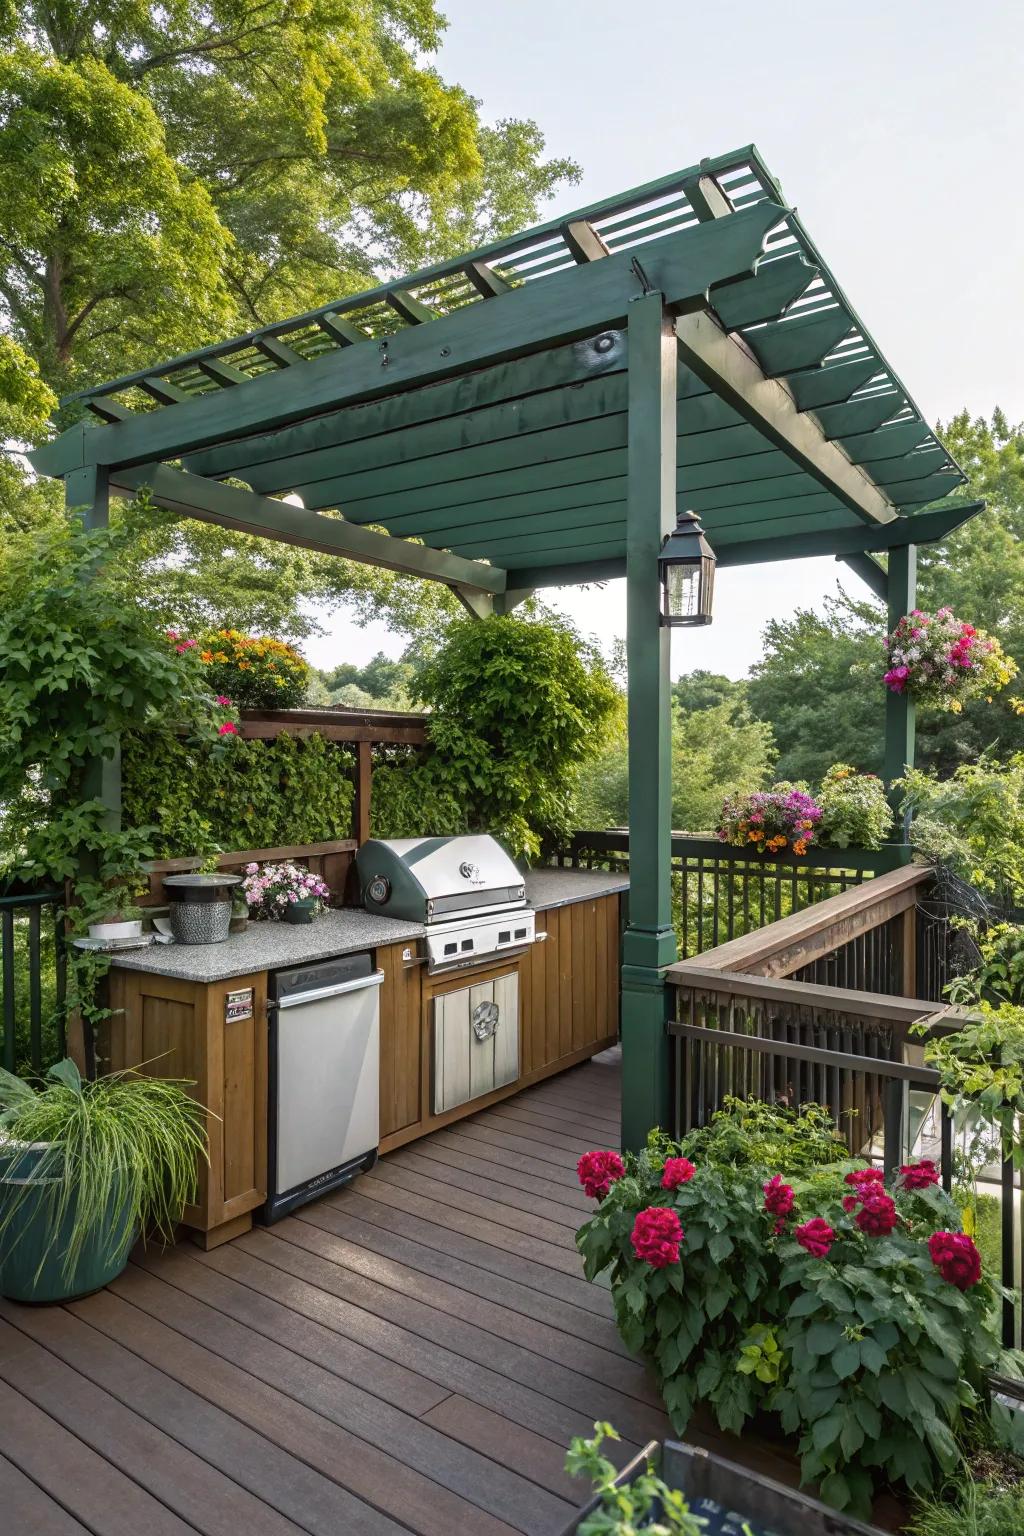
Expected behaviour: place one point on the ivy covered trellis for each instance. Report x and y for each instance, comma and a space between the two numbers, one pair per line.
533, 414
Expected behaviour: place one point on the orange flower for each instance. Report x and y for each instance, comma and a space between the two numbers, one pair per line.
800, 846
205, 655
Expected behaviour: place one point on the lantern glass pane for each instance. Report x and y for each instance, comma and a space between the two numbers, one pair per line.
683, 591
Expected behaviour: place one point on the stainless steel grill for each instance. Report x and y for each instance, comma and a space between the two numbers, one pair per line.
465, 890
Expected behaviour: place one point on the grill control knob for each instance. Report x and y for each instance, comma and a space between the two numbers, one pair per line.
379, 890
469, 871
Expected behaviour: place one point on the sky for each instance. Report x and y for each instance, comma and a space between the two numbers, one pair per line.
894, 128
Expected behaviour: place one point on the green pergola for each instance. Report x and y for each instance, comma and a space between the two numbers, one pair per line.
531, 415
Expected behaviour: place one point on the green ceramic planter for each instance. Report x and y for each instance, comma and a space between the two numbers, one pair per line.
27, 1235
302, 911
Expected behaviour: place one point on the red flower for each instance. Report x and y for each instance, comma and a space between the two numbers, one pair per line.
851, 1202
229, 728
778, 1197
816, 1236
919, 1175
862, 1176
598, 1171
223, 701
657, 1234
677, 1170
877, 1214
956, 1258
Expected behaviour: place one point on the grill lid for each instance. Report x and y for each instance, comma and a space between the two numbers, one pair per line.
424, 879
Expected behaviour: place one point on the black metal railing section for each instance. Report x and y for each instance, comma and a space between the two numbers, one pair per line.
32, 980
720, 893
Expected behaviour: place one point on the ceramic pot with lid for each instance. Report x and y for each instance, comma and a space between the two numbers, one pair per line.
200, 906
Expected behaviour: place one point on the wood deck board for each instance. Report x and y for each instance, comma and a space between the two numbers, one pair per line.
407, 1357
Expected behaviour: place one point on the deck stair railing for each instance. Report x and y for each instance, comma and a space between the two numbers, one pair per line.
819, 1008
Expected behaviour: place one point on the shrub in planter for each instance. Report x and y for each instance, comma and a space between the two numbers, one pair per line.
855, 1313
248, 671
774, 820
944, 662
854, 810
85, 1168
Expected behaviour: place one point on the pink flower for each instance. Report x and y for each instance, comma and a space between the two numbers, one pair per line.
252, 869
172, 634
181, 649
656, 1236
956, 1258
598, 1171
919, 1175
223, 701
677, 1170
816, 1236
229, 728
877, 1215
778, 1197
862, 1176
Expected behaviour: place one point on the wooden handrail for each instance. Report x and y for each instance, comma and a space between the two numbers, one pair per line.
802, 994
792, 942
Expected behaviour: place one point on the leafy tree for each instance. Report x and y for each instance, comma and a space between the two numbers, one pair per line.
174, 173
701, 689
717, 749
381, 684
819, 683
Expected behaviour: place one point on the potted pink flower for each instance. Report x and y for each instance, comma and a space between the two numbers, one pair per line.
284, 892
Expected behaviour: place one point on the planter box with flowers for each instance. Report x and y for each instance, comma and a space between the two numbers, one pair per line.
848, 810
763, 1273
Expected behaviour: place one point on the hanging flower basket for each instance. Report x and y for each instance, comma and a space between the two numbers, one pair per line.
771, 821
940, 660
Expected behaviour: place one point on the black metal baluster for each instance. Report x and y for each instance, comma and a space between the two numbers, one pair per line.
7, 970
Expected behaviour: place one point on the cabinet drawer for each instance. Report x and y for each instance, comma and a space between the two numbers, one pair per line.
476, 1040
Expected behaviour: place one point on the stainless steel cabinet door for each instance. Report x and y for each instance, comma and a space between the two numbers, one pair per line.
476, 1041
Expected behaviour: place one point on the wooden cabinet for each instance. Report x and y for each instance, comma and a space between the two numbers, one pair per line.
187, 1029
568, 1009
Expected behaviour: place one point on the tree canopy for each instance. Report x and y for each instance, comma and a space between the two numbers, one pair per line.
173, 173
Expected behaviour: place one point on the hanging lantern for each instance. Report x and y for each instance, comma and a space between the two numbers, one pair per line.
687, 566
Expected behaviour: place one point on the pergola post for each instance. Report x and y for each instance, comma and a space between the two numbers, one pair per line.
87, 491
649, 944
899, 707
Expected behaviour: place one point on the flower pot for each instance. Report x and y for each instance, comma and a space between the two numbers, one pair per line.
115, 929
302, 911
31, 1257
200, 906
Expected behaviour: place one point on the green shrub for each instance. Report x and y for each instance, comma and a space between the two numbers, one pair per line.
973, 1510
854, 810
810, 1299
973, 821
260, 794
410, 800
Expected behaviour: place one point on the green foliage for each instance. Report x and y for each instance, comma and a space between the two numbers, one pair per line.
124, 1144
700, 689
260, 794
981, 1072
868, 1356
973, 822
410, 797
747, 1133
381, 684
854, 810
717, 748
970, 1509
623, 1511
999, 975
518, 705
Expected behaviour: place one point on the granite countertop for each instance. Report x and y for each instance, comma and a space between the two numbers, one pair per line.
547, 888
270, 946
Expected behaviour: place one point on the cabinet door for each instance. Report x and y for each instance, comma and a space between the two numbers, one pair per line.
476, 1041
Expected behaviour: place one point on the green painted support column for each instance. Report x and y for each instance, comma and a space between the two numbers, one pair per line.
649, 943
899, 707
87, 492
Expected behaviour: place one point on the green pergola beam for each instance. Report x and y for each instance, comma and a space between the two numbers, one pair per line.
567, 306
870, 572
735, 376
231, 507
925, 528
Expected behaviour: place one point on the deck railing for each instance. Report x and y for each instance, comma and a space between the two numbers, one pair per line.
720, 893
772, 1015
32, 979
